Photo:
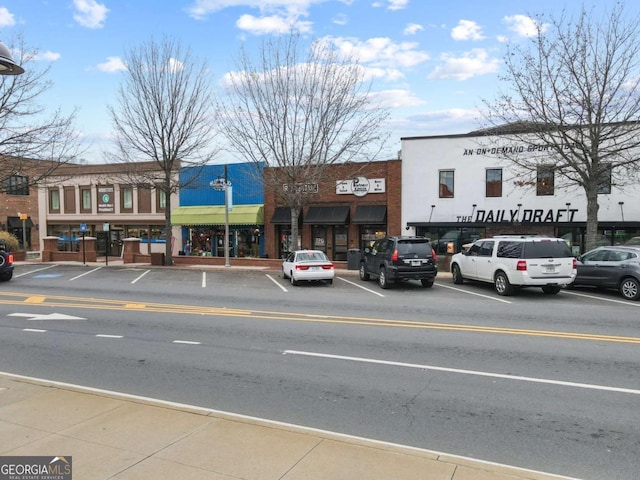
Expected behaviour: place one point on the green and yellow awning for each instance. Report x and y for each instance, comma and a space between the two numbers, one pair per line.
214, 215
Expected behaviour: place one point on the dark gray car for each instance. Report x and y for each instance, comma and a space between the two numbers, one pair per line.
611, 267
395, 259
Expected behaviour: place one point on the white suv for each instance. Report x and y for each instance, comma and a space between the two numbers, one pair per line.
510, 261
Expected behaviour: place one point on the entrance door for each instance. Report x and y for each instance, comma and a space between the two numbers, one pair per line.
319, 235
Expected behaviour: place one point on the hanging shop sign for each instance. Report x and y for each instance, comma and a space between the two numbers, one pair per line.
360, 186
106, 199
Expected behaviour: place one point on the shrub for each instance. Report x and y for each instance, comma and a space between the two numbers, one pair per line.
13, 244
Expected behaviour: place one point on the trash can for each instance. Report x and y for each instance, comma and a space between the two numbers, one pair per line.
353, 259
157, 258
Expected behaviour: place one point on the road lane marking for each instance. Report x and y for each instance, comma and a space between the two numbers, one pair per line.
187, 342
204, 279
473, 293
362, 287
85, 273
477, 373
104, 335
140, 276
35, 330
276, 282
595, 297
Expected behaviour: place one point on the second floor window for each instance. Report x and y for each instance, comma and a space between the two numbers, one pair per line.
162, 200
446, 184
544, 183
126, 199
54, 201
17, 185
604, 182
494, 182
85, 200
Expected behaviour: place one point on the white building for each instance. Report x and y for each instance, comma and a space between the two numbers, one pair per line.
456, 188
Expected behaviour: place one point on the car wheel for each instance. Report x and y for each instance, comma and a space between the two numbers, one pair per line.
551, 289
456, 274
382, 278
427, 283
502, 285
284, 274
2, 260
330, 281
364, 275
294, 282
6, 276
630, 288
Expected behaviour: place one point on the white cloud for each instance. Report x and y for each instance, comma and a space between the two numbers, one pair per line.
412, 28
341, 19
524, 26
272, 24
283, 8
397, 4
47, 56
90, 13
397, 98
380, 52
467, 30
471, 64
6, 18
112, 65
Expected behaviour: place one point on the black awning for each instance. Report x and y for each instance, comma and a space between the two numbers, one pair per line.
282, 216
327, 215
15, 222
373, 214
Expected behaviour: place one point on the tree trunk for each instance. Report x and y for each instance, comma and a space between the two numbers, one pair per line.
592, 218
294, 244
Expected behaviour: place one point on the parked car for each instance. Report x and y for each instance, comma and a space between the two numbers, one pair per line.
512, 261
394, 259
633, 241
611, 267
308, 265
6, 262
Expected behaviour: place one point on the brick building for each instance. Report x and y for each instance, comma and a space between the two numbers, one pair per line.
353, 205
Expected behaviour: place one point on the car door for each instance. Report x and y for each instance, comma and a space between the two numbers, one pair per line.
592, 268
612, 268
468, 261
484, 261
373, 257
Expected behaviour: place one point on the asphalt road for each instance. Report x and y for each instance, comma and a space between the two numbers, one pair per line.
549, 383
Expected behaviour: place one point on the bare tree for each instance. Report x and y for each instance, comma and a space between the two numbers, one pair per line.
299, 112
572, 95
33, 142
163, 120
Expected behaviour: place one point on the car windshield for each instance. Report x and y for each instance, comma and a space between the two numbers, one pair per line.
411, 247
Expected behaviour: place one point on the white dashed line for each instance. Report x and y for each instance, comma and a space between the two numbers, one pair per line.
102, 335
36, 330
187, 342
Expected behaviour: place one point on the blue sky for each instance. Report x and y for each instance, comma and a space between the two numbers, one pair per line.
432, 62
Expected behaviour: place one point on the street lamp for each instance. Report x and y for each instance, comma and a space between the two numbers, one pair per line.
7, 65
222, 184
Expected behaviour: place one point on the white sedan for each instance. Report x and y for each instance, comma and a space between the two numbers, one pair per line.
308, 265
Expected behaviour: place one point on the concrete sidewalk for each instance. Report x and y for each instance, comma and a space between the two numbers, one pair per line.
110, 435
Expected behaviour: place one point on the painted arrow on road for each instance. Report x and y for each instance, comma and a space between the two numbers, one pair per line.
48, 316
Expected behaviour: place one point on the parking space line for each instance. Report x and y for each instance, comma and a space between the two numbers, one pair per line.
35, 330
276, 282
473, 293
204, 279
140, 276
187, 342
360, 286
85, 273
595, 297
34, 271
104, 335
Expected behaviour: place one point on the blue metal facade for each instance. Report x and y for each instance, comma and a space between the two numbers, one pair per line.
245, 178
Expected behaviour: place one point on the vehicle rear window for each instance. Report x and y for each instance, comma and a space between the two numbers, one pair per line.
510, 250
552, 249
422, 248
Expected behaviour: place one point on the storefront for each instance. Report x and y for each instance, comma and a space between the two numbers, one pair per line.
455, 192
352, 207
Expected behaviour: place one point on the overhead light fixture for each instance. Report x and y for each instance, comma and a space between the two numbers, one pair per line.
7, 65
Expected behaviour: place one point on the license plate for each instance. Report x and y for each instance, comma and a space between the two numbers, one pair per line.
416, 263
315, 268
549, 269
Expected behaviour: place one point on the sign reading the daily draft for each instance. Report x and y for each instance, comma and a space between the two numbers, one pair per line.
360, 186
105, 199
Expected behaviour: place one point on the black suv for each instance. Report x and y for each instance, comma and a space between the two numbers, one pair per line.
393, 259
6, 262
